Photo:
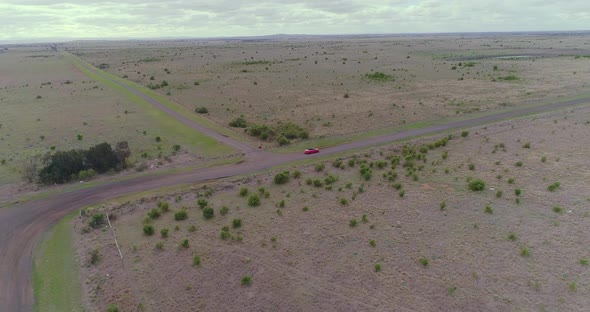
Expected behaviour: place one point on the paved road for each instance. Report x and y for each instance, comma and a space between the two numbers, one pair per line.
22, 225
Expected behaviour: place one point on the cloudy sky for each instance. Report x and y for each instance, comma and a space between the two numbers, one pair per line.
25, 19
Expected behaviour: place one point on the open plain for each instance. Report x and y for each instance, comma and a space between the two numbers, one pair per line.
452, 174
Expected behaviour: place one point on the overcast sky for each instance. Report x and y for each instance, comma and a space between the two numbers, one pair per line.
24, 19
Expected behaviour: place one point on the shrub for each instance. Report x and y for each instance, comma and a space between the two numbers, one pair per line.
464, 134
224, 210
377, 267
112, 308
181, 215
196, 260
443, 205
202, 203
527, 145
512, 237
282, 178
184, 243
584, 262
306, 208
93, 256
236, 223
296, 174
318, 183
282, 140
353, 223
148, 230
477, 185
553, 187
379, 77
154, 213
423, 261
238, 122
159, 245
372, 243
471, 166
319, 167
164, 233
246, 280
96, 220
208, 212
201, 110
401, 193
253, 200
343, 201
517, 192
243, 191
225, 233
518, 164
557, 209
499, 194
511, 181
164, 207
524, 252
488, 210
192, 228
366, 172
365, 219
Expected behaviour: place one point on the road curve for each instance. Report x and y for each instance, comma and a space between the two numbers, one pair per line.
21, 225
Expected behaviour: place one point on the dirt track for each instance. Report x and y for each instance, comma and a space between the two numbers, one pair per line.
21, 225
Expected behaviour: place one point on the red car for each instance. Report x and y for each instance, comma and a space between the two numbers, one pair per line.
311, 151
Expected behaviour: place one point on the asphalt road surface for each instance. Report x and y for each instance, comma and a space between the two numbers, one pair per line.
22, 225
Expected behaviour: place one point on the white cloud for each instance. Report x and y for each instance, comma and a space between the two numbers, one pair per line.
176, 18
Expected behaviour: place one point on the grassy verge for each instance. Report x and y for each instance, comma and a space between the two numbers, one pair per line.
56, 281
173, 129
156, 96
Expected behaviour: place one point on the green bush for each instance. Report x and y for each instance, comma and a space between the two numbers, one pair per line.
282, 178
236, 223
148, 230
196, 260
464, 133
164, 233
553, 187
246, 280
283, 140
184, 243
423, 261
343, 201
243, 191
372, 243
224, 210
379, 77
238, 122
202, 203
201, 110
181, 215
377, 267
154, 213
353, 223
112, 308
557, 209
488, 210
296, 174
253, 200
318, 183
96, 220
517, 192
208, 212
476, 185
164, 207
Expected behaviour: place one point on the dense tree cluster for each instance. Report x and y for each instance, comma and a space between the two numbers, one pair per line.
64, 166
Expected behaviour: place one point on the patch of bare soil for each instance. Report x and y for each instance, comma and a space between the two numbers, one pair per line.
427, 244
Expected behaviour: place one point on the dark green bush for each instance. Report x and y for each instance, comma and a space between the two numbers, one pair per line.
97, 220
154, 213
208, 212
477, 185
237, 223
253, 200
201, 110
238, 122
282, 178
181, 215
148, 230
202, 203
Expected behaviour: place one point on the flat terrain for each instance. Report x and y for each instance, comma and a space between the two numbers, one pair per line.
324, 85
47, 102
439, 246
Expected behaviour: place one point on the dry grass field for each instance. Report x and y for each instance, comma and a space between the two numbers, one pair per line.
48, 104
409, 238
325, 85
